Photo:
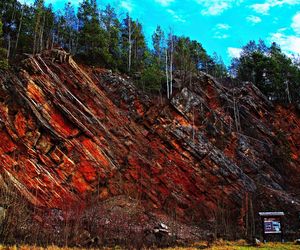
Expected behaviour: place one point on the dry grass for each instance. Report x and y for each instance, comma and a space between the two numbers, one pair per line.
240, 245
220, 245
52, 247
268, 246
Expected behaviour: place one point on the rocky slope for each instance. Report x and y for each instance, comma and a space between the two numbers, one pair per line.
70, 132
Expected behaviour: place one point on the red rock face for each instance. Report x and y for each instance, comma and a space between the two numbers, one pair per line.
68, 133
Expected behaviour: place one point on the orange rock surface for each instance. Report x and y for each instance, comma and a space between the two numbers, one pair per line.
68, 132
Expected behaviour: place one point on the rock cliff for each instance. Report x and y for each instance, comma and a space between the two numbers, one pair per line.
69, 132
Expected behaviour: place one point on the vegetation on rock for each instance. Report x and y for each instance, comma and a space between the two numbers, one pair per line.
98, 36
3, 52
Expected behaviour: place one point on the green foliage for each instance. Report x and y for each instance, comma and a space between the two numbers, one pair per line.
189, 55
66, 28
270, 70
219, 69
283, 153
3, 52
132, 36
26, 36
112, 27
151, 79
92, 37
3, 60
158, 41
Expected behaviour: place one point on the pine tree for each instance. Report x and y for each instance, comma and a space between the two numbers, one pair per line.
220, 70
26, 33
158, 41
140, 51
113, 29
70, 28
270, 70
93, 44
48, 28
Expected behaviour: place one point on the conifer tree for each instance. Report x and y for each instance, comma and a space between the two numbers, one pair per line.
270, 70
112, 27
158, 41
71, 27
93, 43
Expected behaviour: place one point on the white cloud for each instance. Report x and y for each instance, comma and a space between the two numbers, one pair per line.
24, 1
220, 30
282, 30
234, 52
222, 26
290, 44
263, 8
296, 23
253, 19
219, 35
127, 5
216, 7
176, 16
164, 2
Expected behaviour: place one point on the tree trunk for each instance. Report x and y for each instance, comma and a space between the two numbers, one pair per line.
288, 92
8, 46
52, 40
130, 45
36, 29
19, 31
193, 136
41, 34
171, 66
167, 74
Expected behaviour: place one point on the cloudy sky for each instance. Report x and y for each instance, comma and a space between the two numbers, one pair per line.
221, 26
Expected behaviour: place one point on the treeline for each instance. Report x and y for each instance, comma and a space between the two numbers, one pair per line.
97, 35
100, 37
272, 71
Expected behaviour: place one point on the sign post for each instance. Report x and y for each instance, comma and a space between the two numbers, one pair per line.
272, 224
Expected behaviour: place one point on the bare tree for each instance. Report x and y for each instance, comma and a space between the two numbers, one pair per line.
236, 114
167, 74
288, 91
41, 34
19, 29
8, 46
193, 132
37, 28
130, 43
171, 62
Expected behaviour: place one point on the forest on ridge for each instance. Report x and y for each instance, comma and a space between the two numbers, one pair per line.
97, 35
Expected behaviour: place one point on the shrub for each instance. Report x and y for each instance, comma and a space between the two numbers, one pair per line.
3, 60
151, 79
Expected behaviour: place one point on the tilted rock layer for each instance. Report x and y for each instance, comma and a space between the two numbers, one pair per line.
68, 132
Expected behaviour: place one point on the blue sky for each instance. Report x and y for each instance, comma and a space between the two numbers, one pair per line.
221, 26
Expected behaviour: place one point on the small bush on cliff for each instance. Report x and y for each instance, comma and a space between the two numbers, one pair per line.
282, 154
3, 52
284, 149
151, 79
3, 60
